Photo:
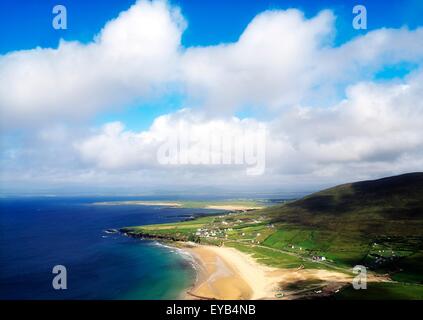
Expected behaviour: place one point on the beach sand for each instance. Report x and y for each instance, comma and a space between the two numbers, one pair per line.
226, 273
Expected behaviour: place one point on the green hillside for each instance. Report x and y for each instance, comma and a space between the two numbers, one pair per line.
377, 223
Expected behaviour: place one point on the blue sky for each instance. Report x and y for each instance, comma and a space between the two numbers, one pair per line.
296, 83
25, 24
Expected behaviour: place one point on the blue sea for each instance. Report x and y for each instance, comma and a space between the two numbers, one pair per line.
38, 233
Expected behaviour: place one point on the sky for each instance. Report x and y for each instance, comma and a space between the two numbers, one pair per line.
257, 96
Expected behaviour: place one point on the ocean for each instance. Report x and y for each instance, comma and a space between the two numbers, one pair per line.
38, 233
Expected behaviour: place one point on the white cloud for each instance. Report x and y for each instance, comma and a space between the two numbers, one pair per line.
182, 140
375, 124
114, 148
270, 65
378, 126
284, 59
132, 56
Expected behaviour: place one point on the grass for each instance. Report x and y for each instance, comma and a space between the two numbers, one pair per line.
273, 258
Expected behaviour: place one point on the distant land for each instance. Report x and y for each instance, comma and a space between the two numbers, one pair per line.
229, 205
307, 248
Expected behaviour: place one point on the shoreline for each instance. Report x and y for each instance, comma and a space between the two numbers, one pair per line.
224, 273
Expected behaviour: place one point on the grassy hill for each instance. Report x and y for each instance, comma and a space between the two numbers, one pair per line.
399, 197
376, 223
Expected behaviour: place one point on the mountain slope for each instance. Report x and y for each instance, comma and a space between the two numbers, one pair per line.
377, 223
399, 196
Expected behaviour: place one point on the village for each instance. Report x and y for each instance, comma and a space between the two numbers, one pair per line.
252, 231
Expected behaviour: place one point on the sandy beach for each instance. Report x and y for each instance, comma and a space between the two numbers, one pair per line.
226, 273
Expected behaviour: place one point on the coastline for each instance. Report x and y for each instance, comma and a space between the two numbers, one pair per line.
224, 273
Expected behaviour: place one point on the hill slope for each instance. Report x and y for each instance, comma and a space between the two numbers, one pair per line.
378, 223
398, 197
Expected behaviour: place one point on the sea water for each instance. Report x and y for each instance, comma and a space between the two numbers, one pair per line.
38, 233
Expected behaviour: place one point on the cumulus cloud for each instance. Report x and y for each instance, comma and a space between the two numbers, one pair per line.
283, 59
182, 139
270, 65
377, 126
133, 56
